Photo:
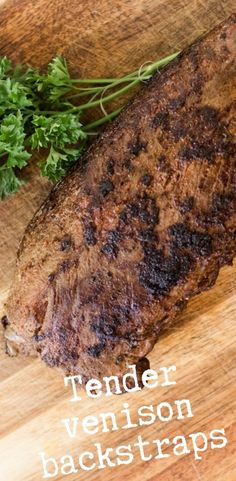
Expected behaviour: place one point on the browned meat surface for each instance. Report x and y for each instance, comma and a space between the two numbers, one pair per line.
115, 252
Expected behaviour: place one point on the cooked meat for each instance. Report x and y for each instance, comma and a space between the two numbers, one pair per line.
116, 251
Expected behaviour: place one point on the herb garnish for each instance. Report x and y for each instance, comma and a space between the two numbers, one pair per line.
44, 111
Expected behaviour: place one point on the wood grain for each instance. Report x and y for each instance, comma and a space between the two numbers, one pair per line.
113, 37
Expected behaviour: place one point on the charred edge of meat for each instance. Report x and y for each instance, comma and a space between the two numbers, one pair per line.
105, 187
89, 231
163, 165
109, 329
146, 179
96, 350
161, 119
148, 236
38, 337
159, 273
110, 248
110, 167
198, 150
143, 208
51, 277
223, 206
198, 137
128, 165
66, 243
186, 205
105, 327
137, 146
5, 322
198, 242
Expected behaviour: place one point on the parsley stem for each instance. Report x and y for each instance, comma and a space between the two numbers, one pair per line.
134, 78
148, 69
112, 96
102, 120
95, 103
93, 81
144, 73
86, 91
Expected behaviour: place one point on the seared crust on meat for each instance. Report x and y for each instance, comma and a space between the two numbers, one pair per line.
116, 251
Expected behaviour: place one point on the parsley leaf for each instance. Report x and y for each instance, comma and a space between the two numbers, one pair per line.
13, 153
9, 182
13, 96
12, 138
57, 82
5, 66
60, 129
59, 162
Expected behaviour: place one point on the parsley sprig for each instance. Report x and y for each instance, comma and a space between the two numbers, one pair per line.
44, 110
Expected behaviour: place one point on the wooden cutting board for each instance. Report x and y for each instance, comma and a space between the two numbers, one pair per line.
108, 37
